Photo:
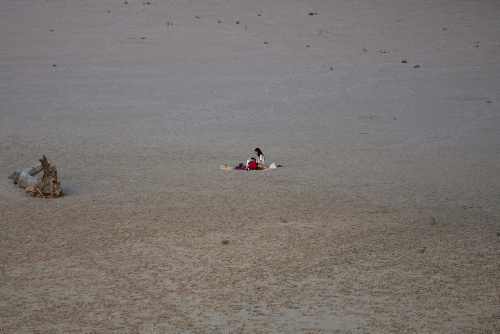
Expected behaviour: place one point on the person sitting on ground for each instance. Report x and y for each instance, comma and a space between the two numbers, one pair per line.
253, 165
259, 156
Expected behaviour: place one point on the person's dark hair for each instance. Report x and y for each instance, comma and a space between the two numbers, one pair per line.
259, 152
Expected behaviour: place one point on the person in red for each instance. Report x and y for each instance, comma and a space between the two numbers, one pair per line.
252, 165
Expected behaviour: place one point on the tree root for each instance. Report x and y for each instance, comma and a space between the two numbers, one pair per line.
45, 186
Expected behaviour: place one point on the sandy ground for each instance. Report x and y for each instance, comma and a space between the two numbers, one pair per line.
384, 219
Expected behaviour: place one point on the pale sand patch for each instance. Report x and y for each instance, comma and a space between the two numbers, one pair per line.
146, 101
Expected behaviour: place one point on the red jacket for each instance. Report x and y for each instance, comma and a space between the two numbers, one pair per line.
252, 165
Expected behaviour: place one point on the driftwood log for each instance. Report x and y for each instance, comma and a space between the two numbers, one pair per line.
41, 186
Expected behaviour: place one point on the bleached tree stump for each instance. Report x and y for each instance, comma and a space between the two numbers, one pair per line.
42, 186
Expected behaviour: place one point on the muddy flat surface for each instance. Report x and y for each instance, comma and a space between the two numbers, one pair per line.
383, 218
